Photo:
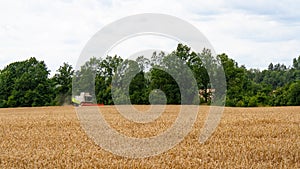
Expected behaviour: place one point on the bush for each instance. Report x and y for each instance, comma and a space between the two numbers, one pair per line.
240, 103
252, 102
3, 104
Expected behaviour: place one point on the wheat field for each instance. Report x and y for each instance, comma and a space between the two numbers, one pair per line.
51, 137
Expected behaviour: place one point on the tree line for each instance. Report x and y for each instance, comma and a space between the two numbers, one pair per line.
27, 83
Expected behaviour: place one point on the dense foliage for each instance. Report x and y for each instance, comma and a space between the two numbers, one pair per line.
27, 83
276, 86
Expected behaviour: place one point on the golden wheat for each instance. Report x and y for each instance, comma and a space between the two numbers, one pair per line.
51, 137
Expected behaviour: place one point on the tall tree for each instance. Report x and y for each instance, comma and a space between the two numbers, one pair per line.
25, 83
107, 70
63, 84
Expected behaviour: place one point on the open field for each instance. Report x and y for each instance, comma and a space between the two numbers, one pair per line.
51, 137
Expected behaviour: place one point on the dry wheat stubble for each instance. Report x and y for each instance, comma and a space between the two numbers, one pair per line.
51, 137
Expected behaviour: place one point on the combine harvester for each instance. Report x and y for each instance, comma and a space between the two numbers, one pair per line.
84, 99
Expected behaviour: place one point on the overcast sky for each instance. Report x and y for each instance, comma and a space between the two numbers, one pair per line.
254, 33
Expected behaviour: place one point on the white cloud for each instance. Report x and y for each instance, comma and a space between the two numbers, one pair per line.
254, 33
149, 42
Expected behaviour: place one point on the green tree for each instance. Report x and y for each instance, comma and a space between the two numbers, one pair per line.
105, 73
25, 83
63, 84
162, 80
195, 63
173, 76
236, 78
294, 94
84, 79
139, 86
